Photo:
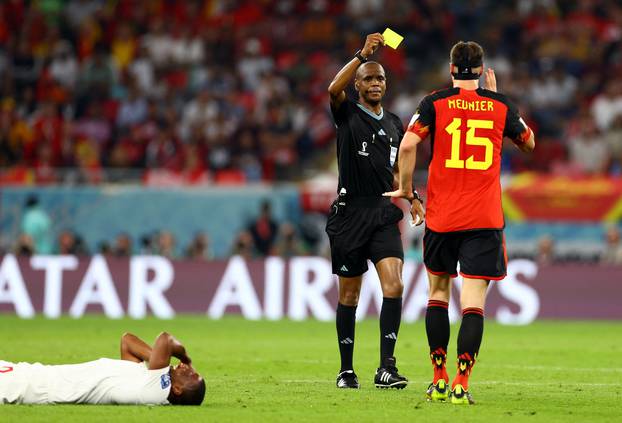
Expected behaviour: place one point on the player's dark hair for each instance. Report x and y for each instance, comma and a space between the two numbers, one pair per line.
466, 55
190, 396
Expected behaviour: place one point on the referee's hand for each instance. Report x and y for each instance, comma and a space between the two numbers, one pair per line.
372, 42
417, 211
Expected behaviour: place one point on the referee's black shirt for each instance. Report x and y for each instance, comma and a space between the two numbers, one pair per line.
367, 147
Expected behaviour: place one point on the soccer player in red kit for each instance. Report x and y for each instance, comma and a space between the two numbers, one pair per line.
464, 217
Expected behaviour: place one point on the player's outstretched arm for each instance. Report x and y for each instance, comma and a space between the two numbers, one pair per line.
165, 347
134, 349
345, 75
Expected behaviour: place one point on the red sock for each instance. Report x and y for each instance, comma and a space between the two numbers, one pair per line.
439, 359
465, 365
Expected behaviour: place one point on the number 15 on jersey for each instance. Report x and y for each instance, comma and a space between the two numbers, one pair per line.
453, 129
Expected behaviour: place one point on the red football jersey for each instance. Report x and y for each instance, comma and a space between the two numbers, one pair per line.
466, 129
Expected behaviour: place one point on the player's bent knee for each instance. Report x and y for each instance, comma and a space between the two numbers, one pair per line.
393, 289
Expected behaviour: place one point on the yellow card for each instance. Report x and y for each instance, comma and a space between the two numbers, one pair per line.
392, 38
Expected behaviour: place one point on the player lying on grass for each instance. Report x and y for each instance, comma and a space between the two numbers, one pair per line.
143, 375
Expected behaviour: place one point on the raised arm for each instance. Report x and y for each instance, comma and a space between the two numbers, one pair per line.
134, 349
165, 347
345, 75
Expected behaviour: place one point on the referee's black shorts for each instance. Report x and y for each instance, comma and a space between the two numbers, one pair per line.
481, 253
365, 228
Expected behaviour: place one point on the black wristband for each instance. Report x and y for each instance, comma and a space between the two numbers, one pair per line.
417, 197
359, 56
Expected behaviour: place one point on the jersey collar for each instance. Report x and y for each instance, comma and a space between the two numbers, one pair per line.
375, 116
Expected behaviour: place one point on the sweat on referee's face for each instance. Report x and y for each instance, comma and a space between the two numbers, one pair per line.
370, 82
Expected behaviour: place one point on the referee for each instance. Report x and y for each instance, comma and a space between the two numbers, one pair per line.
362, 223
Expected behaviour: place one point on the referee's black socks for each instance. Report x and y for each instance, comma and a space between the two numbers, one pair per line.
390, 317
346, 319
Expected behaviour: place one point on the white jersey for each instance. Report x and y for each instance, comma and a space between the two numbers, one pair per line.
103, 381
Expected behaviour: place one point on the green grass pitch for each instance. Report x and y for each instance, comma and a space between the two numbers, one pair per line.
285, 371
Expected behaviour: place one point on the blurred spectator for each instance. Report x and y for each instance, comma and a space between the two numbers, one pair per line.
589, 151
71, 244
78, 10
24, 246
98, 76
613, 139
245, 156
608, 105
25, 68
198, 249
37, 225
166, 245
193, 171
546, 250
198, 113
142, 71
264, 230
94, 125
253, 64
186, 48
613, 247
158, 43
122, 245
64, 65
133, 109
104, 248
123, 46
48, 133
243, 245
147, 245
288, 243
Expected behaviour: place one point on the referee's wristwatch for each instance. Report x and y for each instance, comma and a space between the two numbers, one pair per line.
417, 197
359, 56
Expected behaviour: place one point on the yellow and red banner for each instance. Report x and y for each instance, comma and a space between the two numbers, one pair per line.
532, 196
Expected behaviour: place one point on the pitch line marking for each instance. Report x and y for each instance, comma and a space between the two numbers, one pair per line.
558, 368
475, 383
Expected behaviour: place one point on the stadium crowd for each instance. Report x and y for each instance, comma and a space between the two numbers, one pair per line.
205, 91
260, 237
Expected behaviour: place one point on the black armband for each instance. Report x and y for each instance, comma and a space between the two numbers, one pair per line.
359, 56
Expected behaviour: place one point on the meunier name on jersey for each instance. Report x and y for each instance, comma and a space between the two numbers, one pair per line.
475, 106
